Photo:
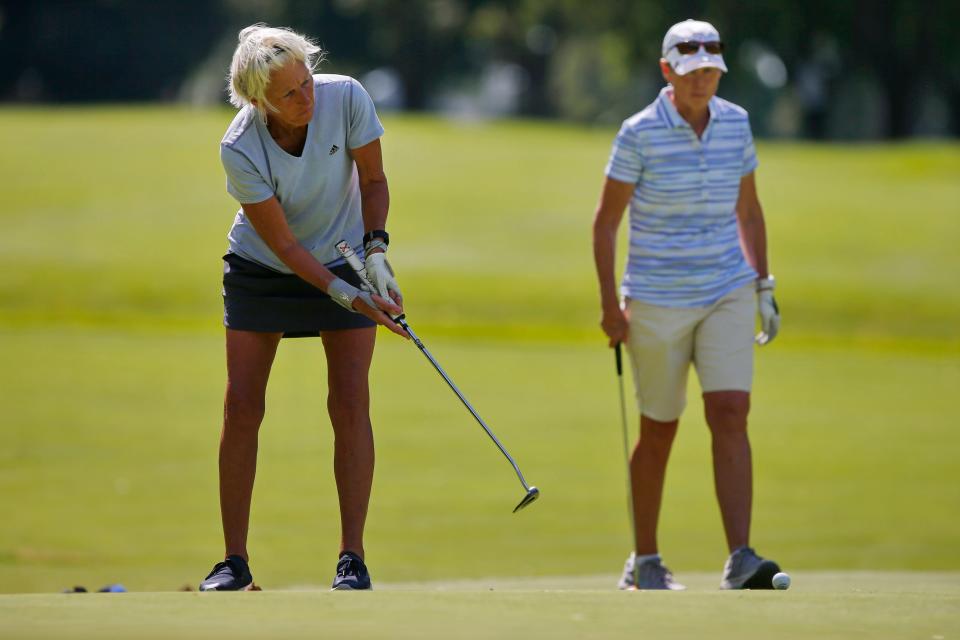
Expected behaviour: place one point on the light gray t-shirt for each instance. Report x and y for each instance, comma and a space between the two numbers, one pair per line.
319, 191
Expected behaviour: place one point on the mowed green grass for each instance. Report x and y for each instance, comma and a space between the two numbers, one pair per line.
828, 605
112, 371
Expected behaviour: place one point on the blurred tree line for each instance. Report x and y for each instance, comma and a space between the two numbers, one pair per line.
847, 69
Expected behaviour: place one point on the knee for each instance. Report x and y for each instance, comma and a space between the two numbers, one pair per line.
348, 402
657, 435
241, 413
726, 412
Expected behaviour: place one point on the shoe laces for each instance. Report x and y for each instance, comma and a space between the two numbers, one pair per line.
217, 568
224, 567
348, 566
660, 571
741, 557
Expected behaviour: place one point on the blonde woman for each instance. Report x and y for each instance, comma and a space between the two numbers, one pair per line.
302, 157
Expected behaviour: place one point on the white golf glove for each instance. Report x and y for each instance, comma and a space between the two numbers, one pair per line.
344, 293
769, 312
381, 275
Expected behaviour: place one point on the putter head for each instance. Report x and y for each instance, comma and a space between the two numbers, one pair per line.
532, 494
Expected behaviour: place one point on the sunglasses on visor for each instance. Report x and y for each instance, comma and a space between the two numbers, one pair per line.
713, 48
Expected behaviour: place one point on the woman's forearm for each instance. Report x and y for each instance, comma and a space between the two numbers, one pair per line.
753, 239
302, 263
375, 199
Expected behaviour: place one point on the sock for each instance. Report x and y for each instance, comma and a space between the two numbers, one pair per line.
638, 560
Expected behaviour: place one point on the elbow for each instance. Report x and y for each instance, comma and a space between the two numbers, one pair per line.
373, 182
286, 250
603, 230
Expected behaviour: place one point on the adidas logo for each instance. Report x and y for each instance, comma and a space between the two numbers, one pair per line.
334, 149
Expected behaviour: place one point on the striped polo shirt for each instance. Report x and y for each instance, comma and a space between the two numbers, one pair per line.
684, 246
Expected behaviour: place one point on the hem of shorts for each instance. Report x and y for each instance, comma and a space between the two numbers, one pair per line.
679, 415
302, 332
726, 388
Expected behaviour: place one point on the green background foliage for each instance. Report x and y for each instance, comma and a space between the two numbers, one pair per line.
841, 70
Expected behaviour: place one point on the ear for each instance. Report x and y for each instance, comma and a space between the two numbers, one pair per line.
666, 70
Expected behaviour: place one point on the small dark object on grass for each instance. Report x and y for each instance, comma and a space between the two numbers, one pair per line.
77, 589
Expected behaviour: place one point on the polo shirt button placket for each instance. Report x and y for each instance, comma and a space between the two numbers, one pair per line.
704, 194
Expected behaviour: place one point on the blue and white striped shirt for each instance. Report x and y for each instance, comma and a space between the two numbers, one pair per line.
684, 246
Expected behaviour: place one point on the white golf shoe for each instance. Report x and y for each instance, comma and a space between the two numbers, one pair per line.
649, 574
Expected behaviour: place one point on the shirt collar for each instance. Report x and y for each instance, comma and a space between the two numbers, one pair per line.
674, 119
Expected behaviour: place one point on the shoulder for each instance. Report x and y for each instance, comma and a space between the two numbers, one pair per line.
639, 130
243, 126
240, 143
338, 92
650, 118
323, 82
729, 111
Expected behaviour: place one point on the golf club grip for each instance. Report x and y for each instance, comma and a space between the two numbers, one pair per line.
345, 250
617, 350
351, 257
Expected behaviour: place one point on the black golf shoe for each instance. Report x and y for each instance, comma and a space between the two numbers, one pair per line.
232, 574
352, 574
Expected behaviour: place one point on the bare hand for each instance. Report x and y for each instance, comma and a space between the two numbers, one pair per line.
616, 325
397, 298
381, 311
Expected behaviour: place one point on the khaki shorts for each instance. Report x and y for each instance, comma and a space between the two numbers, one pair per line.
663, 341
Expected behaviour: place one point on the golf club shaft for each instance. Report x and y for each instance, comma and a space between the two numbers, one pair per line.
443, 374
626, 444
354, 261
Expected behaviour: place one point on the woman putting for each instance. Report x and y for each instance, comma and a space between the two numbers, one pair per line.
303, 159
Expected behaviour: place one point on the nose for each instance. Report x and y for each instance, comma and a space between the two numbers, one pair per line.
306, 95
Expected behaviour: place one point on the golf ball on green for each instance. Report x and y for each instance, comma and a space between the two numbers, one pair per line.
781, 581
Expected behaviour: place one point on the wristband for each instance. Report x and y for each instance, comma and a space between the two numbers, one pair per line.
343, 293
376, 233
766, 284
374, 244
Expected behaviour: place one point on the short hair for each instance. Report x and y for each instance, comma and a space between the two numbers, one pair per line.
261, 50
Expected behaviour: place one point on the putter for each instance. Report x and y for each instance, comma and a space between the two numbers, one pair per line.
354, 261
626, 455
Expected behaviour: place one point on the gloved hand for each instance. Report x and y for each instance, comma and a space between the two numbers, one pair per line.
381, 276
344, 293
769, 312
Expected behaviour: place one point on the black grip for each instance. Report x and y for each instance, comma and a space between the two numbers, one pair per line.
616, 350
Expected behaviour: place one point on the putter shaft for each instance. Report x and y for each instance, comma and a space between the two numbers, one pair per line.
443, 374
626, 458
354, 261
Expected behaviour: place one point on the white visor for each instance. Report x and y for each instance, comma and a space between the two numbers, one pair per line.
685, 64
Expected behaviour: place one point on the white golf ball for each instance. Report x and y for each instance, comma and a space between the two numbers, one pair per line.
781, 581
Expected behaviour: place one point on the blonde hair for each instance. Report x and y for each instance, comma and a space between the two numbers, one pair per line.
261, 50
